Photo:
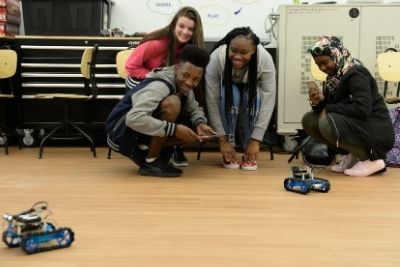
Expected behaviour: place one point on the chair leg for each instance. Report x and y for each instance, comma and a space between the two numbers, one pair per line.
41, 146
271, 152
64, 124
4, 131
199, 150
5, 142
20, 141
109, 153
93, 148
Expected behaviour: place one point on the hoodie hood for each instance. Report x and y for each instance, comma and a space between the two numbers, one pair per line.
166, 73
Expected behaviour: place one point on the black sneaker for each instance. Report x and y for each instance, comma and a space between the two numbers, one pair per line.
159, 167
178, 158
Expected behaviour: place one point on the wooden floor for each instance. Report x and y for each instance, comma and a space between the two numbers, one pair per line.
208, 217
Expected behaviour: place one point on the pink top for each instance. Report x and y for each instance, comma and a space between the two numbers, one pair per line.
147, 56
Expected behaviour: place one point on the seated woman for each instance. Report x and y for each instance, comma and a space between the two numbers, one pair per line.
240, 95
350, 115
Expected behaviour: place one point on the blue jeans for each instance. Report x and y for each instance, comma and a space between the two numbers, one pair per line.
239, 123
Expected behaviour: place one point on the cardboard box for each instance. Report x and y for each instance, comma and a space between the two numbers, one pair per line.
5, 16
11, 3
66, 17
10, 11
8, 29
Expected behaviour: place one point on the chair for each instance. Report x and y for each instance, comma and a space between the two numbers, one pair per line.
120, 59
88, 64
317, 73
271, 137
8, 68
389, 71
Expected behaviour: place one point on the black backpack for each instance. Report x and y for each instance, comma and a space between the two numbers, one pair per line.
313, 152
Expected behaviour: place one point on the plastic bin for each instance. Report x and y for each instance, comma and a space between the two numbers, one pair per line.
66, 17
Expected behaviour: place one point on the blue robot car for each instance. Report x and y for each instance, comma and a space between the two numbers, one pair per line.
33, 232
303, 181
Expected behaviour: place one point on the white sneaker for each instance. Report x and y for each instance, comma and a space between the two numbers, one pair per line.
232, 165
366, 168
346, 162
250, 165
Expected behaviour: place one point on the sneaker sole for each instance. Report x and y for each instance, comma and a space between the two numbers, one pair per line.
180, 164
337, 171
146, 173
380, 171
249, 168
374, 173
231, 166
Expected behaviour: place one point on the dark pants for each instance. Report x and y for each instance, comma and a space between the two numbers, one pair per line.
126, 141
321, 130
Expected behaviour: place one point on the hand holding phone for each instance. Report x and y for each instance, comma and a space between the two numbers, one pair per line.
314, 93
312, 88
208, 137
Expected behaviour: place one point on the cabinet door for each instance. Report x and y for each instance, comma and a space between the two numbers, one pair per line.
379, 30
299, 27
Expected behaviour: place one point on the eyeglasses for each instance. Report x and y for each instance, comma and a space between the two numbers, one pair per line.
316, 51
319, 51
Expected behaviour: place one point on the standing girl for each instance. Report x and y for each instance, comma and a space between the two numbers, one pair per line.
240, 95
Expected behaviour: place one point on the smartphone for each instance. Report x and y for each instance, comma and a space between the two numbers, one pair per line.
312, 87
210, 136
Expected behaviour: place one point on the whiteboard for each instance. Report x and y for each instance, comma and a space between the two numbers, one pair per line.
218, 16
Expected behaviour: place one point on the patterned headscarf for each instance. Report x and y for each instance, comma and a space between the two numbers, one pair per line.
333, 47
